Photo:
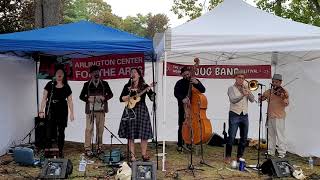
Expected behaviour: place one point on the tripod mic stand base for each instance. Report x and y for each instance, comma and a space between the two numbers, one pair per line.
202, 162
190, 168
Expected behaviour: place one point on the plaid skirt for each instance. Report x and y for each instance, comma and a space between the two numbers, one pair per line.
135, 123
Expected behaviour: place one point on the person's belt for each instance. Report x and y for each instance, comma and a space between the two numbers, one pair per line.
56, 101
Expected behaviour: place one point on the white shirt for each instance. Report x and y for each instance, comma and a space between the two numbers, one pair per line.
238, 102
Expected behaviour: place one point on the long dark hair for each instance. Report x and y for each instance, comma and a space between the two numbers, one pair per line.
141, 82
60, 67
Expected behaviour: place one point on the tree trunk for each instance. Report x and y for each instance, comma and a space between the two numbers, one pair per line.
48, 13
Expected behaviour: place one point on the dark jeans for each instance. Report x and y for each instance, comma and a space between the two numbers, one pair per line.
180, 123
236, 121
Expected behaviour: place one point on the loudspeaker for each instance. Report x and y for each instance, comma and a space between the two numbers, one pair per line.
40, 132
56, 169
276, 167
144, 170
216, 140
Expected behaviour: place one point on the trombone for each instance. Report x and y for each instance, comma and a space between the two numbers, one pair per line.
252, 85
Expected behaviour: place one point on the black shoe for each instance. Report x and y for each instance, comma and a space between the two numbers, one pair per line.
179, 149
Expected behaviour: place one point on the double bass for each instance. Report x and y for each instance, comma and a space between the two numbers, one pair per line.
196, 127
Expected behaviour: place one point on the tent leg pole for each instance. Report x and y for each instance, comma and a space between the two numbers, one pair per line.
37, 59
164, 108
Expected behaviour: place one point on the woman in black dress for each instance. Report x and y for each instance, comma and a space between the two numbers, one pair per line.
135, 123
59, 93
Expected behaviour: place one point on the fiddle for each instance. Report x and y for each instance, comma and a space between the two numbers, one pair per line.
280, 91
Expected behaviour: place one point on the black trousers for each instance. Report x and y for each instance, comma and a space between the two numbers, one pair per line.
55, 134
180, 123
56, 124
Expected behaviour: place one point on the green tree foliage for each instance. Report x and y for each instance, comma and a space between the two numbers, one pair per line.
156, 23
75, 10
100, 12
192, 8
16, 15
136, 25
305, 11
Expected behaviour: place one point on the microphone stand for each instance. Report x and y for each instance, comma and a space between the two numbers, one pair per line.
128, 123
201, 142
190, 167
267, 121
48, 113
260, 121
92, 124
112, 172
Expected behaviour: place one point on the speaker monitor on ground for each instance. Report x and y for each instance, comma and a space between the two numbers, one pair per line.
276, 168
56, 169
216, 140
40, 132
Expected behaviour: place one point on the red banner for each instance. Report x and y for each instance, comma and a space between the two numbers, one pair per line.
223, 71
112, 66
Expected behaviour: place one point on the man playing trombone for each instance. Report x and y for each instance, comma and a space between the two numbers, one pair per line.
239, 94
278, 99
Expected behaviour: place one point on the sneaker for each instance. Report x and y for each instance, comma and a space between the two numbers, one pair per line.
281, 156
269, 154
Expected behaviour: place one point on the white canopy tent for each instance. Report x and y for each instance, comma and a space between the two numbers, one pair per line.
238, 33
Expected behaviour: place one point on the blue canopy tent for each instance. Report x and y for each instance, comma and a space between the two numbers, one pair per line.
82, 37
74, 40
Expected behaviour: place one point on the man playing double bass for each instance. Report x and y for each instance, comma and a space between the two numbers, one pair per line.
181, 93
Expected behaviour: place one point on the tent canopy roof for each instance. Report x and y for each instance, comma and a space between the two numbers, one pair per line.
235, 26
236, 17
82, 37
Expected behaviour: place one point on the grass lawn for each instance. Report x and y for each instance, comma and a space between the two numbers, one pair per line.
174, 161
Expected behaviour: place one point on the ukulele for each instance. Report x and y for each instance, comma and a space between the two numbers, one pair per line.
133, 100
